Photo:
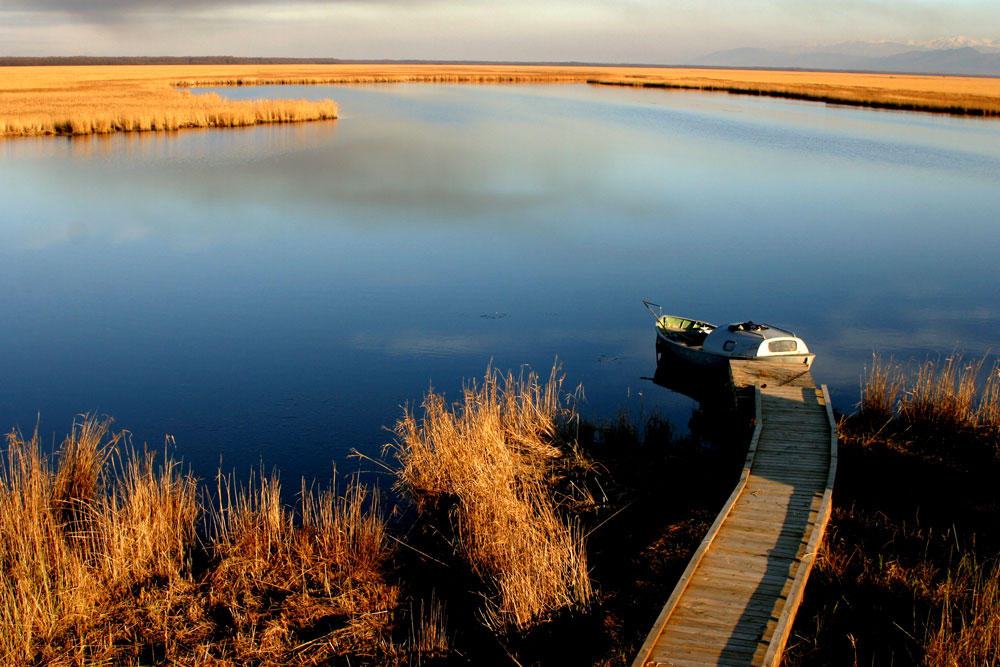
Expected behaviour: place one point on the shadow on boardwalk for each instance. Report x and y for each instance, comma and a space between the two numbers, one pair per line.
735, 602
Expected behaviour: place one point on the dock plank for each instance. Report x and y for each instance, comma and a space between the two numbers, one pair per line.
735, 602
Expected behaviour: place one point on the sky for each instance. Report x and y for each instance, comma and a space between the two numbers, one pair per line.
610, 31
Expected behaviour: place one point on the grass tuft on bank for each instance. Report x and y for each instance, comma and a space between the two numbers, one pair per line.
948, 393
114, 556
110, 557
488, 463
909, 571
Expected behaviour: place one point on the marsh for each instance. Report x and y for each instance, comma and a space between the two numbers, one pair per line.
272, 295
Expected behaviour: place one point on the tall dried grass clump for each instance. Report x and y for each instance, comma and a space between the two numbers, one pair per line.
74, 540
944, 393
988, 412
429, 636
300, 591
108, 557
969, 631
487, 460
880, 389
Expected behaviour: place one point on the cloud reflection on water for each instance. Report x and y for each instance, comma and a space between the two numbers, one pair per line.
209, 274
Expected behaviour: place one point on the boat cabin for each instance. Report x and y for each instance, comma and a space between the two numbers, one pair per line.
748, 340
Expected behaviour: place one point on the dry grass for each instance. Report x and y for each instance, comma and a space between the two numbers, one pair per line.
102, 563
302, 592
487, 460
86, 99
940, 94
908, 573
969, 632
944, 393
64, 101
429, 636
81, 544
880, 389
109, 556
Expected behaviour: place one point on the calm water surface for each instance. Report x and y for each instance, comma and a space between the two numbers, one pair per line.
272, 296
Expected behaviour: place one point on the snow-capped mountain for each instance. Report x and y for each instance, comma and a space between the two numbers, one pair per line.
960, 42
948, 55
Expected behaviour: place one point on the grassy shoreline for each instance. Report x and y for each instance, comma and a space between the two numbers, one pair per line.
516, 534
513, 526
909, 570
75, 100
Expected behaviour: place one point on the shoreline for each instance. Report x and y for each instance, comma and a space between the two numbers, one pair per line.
63, 100
139, 561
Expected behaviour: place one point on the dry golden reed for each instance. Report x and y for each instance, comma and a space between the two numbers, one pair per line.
969, 631
429, 631
880, 389
86, 99
491, 455
103, 562
977, 96
913, 543
99, 100
277, 575
943, 393
80, 544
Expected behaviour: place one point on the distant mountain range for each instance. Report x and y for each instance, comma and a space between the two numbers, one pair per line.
952, 55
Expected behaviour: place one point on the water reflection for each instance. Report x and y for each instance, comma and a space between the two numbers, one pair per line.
706, 385
276, 293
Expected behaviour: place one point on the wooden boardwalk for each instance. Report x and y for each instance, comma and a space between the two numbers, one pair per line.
735, 602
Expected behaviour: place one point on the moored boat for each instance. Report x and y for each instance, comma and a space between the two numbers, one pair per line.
706, 344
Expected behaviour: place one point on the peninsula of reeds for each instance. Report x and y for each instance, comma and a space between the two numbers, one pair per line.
51, 100
100, 100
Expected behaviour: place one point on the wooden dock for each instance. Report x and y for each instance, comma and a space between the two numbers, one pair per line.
735, 602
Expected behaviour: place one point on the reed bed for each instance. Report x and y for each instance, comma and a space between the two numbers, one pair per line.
110, 558
964, 96
485, 462
880, 389
84, 99
277, 575
908, 573
977, 96
82, 544
37, 102
969, 630
944, 393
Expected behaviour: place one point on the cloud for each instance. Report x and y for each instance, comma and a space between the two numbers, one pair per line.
178, 12
653, 31
102, 7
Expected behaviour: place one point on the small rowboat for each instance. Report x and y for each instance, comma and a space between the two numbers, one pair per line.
706, 344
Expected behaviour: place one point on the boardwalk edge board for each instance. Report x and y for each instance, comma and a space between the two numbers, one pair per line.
797, 502
647, 647
784, 628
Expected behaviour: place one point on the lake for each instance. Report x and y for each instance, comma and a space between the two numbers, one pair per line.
272, 296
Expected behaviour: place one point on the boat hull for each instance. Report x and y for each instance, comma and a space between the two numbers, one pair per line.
699, 357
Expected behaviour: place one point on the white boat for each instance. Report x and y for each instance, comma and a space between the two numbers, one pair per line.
705, 344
